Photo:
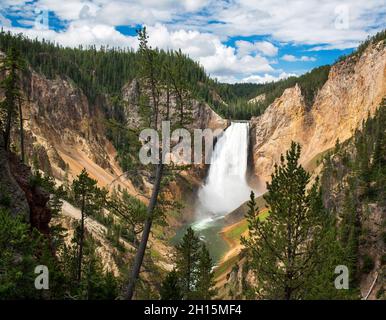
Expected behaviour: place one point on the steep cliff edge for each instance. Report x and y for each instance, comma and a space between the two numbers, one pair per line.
65, 130
354, 89
65, 133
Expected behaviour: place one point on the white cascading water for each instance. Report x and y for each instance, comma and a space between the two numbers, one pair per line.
226, 187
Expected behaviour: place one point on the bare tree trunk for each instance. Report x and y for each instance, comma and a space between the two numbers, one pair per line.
7, 134
145, 234
167, 102
81, 240
21, 133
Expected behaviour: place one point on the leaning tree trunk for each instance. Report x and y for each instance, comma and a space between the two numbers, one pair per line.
7, 133
21, 133
146, 232
81, 242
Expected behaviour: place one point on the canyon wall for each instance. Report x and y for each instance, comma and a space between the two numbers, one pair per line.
65, 133
354, 89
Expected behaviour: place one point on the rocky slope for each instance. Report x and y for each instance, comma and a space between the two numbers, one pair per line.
201, 113
354, 89
259, 98
65, 133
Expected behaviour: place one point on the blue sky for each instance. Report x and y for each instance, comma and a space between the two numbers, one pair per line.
235, 40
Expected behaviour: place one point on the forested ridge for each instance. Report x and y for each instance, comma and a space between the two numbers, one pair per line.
104, 71
240, 94
353, 183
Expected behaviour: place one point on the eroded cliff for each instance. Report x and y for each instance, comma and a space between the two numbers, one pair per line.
354, 89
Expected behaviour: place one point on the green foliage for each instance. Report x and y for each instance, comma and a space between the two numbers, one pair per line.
353, 176
132, 213
205, 282
285, 249
237, 100
86, 194
170, 289
368, 264
17, 259
104, 72
21, 250
96, 72
95, 282
90, 199
126, 142
187, 260
11, 65
193, 270
5, 198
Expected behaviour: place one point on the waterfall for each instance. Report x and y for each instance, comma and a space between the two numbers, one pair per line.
225, 187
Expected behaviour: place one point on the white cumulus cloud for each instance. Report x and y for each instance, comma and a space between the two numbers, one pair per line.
264, 47
217, 58
292, 58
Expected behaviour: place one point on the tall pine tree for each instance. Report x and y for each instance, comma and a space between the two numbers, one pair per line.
285, 248
90, 198
10, 106
205, 281
194, 268
187, 262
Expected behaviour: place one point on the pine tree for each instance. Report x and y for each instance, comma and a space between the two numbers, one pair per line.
95, 284
16, 258
285, 248
170, 289
179, 83
10, 107
131, 210
152, 70
21, 250
193, 276
149, 68
187, 259
89, 197
205, 282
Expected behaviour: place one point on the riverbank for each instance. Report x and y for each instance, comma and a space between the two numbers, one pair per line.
231, 235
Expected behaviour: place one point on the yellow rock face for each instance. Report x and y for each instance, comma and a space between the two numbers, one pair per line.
354, 89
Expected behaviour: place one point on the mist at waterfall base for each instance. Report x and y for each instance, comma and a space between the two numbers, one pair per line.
224, 190
225, 187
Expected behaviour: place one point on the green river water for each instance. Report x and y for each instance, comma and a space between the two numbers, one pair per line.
208, 231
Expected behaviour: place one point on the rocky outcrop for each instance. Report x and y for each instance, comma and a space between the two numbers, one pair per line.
12, 196
204, 117
37, 199
354, 89
60, 115
257, 99
201, 113
64, 133
130, 95
19, 196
